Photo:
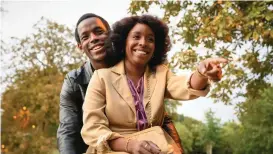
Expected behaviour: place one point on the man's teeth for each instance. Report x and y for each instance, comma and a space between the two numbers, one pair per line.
97, 47
141, 52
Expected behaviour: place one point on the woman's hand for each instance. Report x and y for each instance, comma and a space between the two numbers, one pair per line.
211, 68
143, 147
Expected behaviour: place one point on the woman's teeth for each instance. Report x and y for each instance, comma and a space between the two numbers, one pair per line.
141, 52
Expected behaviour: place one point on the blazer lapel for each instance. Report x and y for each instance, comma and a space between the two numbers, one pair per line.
149, 85
120, 84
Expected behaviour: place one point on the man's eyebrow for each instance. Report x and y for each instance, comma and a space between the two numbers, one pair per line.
98, 27
101, 24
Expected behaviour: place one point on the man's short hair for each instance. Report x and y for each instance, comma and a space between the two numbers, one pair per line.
86, 16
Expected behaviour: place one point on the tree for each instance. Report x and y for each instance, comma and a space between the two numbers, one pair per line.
30, 101
185, 136
191, 132
236, 30
30, 116
170, 107
257, 136
211, 132
239, 31
230, 136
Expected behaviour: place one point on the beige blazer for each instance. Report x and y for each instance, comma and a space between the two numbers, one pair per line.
109, 110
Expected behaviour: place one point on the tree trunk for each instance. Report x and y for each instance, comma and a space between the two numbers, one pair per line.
209, 148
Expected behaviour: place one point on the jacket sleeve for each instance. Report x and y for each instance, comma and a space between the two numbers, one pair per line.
178, 88
68, 133
95, 131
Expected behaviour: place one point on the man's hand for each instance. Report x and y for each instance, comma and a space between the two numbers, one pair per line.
211, 68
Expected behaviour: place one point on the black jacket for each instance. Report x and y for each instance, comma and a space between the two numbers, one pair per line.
71, 101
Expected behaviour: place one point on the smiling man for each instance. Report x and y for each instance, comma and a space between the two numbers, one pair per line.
91, 33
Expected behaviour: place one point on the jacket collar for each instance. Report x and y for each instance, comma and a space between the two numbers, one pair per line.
84, 74
119, 68
120, 84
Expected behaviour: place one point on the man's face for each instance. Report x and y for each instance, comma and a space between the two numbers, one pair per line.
92, 33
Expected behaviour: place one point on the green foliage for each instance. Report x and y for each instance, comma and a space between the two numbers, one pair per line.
198, 137
212, 131
185, 136
191, 134
170, 107
30, 101
243, 33
236, 30
257, 124
230, 136
51, 45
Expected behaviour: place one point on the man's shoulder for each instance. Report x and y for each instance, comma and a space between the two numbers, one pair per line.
73, 74
80, 73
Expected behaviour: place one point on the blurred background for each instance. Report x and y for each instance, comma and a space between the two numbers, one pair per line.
38, 48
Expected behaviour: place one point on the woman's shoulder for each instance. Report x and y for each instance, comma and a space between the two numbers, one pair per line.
102, 72
162, 68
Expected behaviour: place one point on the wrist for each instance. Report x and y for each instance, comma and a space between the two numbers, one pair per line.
130, 145
127, 145
197, 82
201, 75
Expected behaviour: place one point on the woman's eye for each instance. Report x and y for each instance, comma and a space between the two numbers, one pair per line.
151, 39
136, 37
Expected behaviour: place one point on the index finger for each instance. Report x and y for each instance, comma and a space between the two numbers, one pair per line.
154, 147
219, 60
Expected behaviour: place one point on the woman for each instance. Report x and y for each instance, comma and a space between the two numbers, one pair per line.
128, 97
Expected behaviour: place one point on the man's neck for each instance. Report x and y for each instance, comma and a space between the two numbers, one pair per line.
97, 65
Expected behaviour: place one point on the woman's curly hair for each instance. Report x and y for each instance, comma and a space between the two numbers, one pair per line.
120, 30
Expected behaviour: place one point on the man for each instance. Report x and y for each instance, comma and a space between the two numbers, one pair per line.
91, 33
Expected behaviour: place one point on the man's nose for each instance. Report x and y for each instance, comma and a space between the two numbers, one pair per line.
93, 38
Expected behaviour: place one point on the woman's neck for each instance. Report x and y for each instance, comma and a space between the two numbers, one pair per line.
133, 72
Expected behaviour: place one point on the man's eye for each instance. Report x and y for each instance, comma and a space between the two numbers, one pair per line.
100, 31
84, 37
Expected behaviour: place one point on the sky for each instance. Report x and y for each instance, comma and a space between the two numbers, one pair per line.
19, 17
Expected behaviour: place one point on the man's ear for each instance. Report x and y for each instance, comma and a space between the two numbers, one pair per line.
79, 46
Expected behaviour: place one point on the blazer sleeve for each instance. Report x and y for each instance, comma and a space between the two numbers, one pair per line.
178, 88
95, 131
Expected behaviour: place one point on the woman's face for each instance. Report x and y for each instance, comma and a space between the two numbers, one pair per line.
140, 45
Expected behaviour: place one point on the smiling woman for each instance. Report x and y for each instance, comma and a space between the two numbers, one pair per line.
128, 98
140, 46
130, 30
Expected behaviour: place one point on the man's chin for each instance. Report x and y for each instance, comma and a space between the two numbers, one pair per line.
99, 58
